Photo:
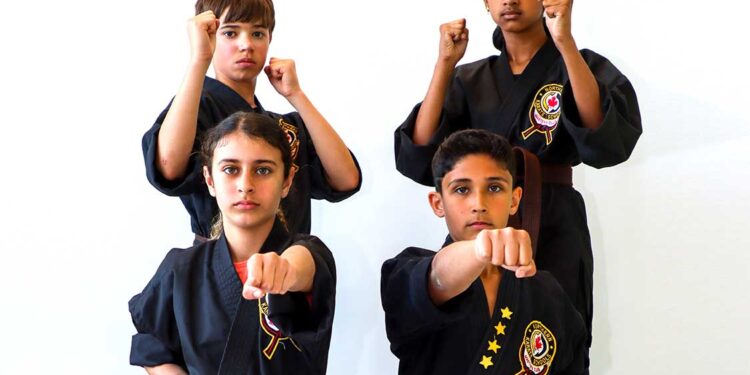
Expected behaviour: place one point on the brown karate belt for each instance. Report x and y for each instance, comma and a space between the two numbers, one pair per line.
533, 174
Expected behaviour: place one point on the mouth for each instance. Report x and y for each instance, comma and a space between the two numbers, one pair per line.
245, 205
479, 225
510, 14
246, 62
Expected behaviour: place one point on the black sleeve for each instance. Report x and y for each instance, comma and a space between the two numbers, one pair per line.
309, 321
614, 140
157, 339
579, 365
415, 161
409, 310
192, 181
319, 186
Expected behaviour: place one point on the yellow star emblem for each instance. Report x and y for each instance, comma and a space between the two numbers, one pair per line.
486, 362
500, 328
506, 312
493, 346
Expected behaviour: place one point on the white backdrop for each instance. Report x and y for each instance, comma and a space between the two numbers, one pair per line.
81, 230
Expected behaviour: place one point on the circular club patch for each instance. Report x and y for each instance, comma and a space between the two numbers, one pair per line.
537, 349
545, 111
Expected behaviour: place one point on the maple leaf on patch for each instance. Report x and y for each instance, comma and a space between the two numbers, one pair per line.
552, 102
538, 343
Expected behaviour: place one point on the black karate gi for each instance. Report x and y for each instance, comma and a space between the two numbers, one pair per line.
218, 102
531, 315
184, 314
537, 111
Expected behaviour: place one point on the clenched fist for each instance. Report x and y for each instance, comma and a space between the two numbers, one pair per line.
454, 37
268, 273
558, 19
509, 248
282, 74
202, 32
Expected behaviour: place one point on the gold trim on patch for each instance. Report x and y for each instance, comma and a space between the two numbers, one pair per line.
293, 138
537, 349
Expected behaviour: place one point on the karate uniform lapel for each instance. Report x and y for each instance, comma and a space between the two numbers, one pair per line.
244, 334
497, 350
515, 93
226, 94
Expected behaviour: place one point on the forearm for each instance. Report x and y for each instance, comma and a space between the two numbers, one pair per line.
300, 259
165, 369
177, 133
454, 268
428, 117
340, 170
584, 85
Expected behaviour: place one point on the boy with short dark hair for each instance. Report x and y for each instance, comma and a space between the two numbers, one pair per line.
234, 36
473, 307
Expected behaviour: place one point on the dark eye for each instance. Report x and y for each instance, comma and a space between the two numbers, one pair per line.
495, 188
461, 190
263, 171
259, 34
230, 170
229, 34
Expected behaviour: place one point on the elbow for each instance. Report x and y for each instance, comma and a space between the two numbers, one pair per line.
168, 170
348, 182
351, 182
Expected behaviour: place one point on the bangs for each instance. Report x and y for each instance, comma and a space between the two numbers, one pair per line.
250, 11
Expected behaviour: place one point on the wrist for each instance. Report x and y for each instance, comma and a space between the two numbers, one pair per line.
445, 65
199, 65
296, 97
566, 44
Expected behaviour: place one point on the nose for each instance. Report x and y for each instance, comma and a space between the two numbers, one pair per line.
245, 42
479, 204
245, 184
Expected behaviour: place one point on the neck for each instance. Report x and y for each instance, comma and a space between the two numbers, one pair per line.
523, 45
245, 89
490, 272
244, 242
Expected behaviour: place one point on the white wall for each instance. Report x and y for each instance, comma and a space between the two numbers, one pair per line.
82, 231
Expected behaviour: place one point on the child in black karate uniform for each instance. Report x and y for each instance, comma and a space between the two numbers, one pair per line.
192, 316
565, 105
234, 36
471, 308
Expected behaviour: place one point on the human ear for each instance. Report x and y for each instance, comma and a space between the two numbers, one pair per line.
209, 181
287, 183
436, 203
515, 200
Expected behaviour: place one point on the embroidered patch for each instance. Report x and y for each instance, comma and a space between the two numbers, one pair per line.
545, 111
277, 337
291, 136
537, 349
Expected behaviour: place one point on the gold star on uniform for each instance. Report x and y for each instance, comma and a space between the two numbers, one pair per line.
486, 362
493, 346
506, 312
500, 328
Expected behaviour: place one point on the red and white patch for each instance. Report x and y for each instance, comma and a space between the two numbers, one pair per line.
537, 349
545, 112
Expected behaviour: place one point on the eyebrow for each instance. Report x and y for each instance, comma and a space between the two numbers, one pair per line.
237, 161
468, 180
234, 25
